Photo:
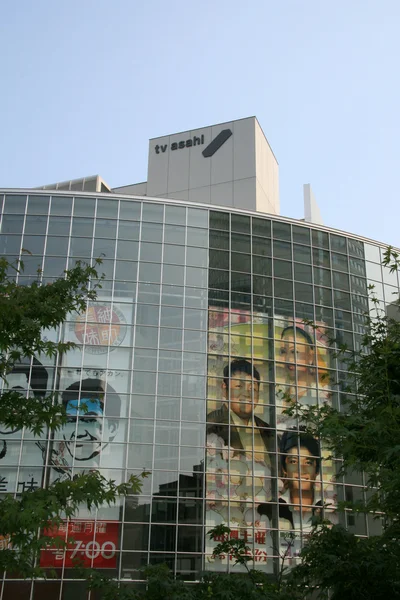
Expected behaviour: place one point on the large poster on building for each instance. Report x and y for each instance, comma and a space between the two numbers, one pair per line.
264, 475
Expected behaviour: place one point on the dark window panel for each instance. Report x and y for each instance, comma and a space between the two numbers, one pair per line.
356, 248
322, 277
303, 292
359, 285
219, 279
304, 311
301, 235
283, 289
321, 258
240, 282
219, 220
343, 320
338, 243
262, 266
357, 267
262, 246
283, 268
240, 243
190, 539
240, 262
262, 285
242, 301
219, 239
323, 295
324, 315
302, 253
240, 223
283, 307
261, 227
339, 262
218, 298
136, 537
302, 273
340, 280
262, 304
341, 300
218, 259
360, 303
282, 250
320, 239
281, 231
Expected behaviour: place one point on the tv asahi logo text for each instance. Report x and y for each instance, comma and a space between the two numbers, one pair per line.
195, 141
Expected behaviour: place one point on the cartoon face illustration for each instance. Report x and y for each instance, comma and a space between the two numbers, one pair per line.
90, 427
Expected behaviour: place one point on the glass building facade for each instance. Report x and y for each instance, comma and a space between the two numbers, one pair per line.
208, 322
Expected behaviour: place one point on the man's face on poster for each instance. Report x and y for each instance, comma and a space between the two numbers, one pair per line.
87, 431
242, 394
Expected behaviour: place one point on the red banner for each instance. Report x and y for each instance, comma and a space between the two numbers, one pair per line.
93, 544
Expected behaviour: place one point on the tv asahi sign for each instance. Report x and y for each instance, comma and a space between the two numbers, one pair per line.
211, 149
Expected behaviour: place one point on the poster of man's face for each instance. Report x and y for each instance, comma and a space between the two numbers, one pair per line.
92, 409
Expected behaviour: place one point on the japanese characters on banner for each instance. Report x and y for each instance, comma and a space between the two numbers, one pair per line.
90, 544
251, 443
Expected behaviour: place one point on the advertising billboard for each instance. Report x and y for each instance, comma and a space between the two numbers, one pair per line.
263, 471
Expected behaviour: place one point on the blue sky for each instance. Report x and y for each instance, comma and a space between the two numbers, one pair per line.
86, 83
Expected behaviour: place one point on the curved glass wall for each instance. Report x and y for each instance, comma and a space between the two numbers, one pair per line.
200, 336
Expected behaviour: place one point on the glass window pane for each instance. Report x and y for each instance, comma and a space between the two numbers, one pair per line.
57, 246
263, 265
302, 273
174, 254
174, 234
107, 209
59, 225
128, 230
33, 243
283, 289
282, 250
262, 246
61, 205
322, 277
82, 227
149, 293
127, 250
320, 239
150, 272
15, 204
240, 223
340, 280
125, 270
301, 234
197, 237
283, 268
301, 253
106, 228
173, 274
152, 232
129, 210
150, 252
197, 217
10, 244
219, 220
80, 247
172, 295
219, 239
261, 227
281, 231
84, 207
35, 225
338, 243
303, 292
175, 214
240, 262
339, 262
104, 248
153, 212
323, 296
38, 205
197, 257
240, 243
